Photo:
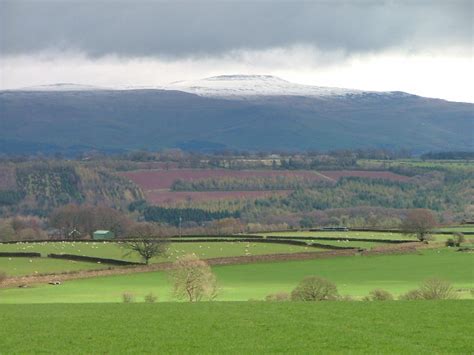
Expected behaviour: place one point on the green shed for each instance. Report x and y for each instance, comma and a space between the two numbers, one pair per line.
103, 235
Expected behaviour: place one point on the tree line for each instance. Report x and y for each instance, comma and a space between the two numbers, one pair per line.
175, 216
253, 183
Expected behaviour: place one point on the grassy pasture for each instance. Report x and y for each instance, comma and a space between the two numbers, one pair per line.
23, 266
118, 251
464, 165
352, 244
352, 234
35, 266
461, 229
424, 327
354, 275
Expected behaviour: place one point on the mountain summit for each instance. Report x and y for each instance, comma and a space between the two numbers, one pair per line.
243, 112
242, 86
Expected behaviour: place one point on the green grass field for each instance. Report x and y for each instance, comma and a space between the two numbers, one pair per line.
461, 229
425, 327
346, 243
352, 234
37, 266
347, 234
415, 163
354, 275
204, 250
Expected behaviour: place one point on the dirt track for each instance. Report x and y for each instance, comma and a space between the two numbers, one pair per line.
390, 249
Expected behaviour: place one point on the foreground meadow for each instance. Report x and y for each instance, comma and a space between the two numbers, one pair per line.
353, 275
425, 327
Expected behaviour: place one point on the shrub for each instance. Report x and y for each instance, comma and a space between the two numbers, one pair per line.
450, 242
380, 295
432, 289
314, 288
436, 289
411, 296
279, 297
459, 237
150, 298
128, 297
456, 241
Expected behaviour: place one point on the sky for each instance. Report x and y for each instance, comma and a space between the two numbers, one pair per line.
418, 46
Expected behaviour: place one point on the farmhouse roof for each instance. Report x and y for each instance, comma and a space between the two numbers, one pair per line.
102, 231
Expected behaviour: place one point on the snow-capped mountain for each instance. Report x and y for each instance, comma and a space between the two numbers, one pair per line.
241, 86
244, 113
63, 87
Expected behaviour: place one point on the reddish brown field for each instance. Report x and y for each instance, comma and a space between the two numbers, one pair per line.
156, 183
386, 175
169, 197
163, 179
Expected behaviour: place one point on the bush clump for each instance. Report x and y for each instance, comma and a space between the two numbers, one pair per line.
314, 288
278, 297
436, 289
412, 295
150, 298
432, 289
128, 297
379, 295
456, 241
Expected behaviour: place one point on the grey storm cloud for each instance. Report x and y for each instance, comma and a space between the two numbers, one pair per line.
176, 29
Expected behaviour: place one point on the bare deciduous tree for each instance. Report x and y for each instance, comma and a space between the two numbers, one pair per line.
147, 248
432, 289
419, 222
436, 289
193, 279
147, 245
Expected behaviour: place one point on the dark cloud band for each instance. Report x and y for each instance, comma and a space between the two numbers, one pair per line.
174, 29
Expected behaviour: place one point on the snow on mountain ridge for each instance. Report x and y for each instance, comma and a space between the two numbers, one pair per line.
228, 86
62, 87
241, 86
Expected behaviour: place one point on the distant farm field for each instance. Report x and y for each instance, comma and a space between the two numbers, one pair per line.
424, 327
165, 197
30, 266
164, 179
36, 266
157, 183
353, 275
385, 175
468, 228
353, 235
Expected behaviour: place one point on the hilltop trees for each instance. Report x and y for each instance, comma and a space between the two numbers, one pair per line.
419, 222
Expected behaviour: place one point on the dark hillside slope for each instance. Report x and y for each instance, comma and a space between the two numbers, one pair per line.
154, 119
